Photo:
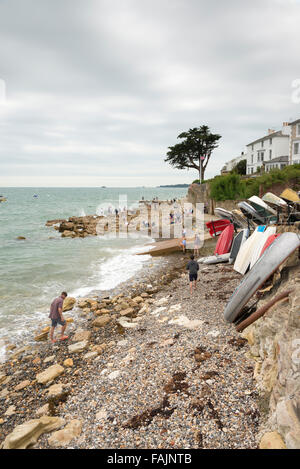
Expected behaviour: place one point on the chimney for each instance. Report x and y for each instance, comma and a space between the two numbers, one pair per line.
271, 131
285, 124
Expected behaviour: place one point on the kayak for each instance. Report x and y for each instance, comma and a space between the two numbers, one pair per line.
272, 258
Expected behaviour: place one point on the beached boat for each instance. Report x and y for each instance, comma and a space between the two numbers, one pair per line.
244, 256
269, 241
216, 227
216, 259
225, 241
274, 199
273, 257
244, 222
238, 241
290, 196
261, 207
251, 213
271, 230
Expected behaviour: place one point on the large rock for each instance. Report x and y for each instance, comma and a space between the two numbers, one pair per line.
27, 434
82, 335
101, 321
69, 303
49, 374
65, 436
78, 347
272, 440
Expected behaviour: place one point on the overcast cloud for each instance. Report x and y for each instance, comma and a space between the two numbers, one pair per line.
96, 90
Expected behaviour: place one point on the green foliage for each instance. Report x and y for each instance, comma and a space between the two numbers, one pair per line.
194, 150
240, 168
233, 187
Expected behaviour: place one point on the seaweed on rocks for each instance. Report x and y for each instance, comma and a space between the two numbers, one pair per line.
176, 384
237, 342
146, 417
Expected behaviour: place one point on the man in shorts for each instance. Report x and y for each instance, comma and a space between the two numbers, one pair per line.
56, 316
193, 268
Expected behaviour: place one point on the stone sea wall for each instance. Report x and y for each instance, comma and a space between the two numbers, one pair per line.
275, 346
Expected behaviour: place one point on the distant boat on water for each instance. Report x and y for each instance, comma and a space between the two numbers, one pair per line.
2, 198
35, 196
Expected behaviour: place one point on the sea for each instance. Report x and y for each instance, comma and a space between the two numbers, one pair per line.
35, 270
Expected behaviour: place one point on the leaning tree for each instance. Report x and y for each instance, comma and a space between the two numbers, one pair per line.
194, 150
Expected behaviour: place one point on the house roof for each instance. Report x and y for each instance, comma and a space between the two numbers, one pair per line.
267, 137
294, 122
279, 159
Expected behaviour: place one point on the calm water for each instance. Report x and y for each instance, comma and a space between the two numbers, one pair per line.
34, 271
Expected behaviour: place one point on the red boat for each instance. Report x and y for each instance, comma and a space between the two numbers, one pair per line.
217, 226
269, 241
225, 241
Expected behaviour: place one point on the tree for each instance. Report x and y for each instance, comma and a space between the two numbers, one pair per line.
240, 168
194, 150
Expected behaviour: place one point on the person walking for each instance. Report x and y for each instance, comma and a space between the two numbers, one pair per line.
193, 268
56, 316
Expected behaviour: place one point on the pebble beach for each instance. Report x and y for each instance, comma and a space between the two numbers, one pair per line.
172, 375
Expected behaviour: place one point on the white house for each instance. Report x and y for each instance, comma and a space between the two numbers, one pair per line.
294, 150
271, 150
232, 163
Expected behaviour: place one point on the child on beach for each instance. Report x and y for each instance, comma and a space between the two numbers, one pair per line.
183, 244
56, 316
193, 268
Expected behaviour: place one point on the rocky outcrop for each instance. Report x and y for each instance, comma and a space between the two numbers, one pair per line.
90, 225
274, 342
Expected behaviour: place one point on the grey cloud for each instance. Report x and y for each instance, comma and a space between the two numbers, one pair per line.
104, 87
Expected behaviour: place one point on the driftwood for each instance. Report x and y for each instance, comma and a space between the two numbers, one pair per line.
259, 313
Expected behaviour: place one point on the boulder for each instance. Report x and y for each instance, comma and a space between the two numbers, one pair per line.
101, 321
69, 303
49, 374
127, 312
81, 335
28, 433
78, 347
272, 440
55, 390
65, 436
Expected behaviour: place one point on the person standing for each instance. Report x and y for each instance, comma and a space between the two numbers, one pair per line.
197, 244
56, 316
193, 268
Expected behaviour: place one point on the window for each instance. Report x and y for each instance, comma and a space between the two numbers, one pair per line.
298, 130
252, 147
251, 159
270, 154
296, 148
262, 143
271, 140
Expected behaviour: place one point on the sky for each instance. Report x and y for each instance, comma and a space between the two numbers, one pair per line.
93, 92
